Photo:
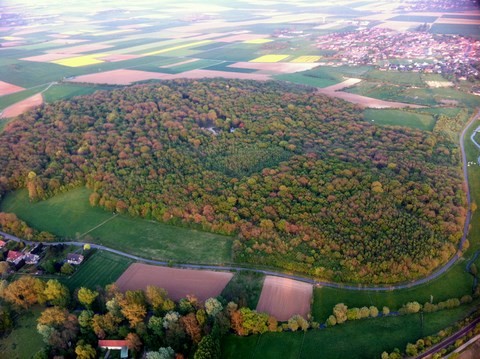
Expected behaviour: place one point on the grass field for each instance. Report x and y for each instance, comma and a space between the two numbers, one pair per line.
461, 29
100, 269
24, 340
324, 76
396, 77
67, 91
69, 215
365, 339
453, 284
421, 121
414, 18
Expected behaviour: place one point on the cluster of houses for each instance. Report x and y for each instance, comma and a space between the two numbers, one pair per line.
18, 259
449, 54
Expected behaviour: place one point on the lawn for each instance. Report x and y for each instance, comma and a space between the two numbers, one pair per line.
453, 284
24, 340
422, 121
100, 269
69, 215
363, 339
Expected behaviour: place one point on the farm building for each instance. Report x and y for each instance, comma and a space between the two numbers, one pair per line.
115, 345
74, 258
31, 258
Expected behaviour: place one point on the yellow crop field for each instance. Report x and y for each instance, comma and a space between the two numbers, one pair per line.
198, 43
12, 38
257, 41
270, 58
306, 59
79, 61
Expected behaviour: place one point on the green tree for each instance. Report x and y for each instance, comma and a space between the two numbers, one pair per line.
208, 348
67, 269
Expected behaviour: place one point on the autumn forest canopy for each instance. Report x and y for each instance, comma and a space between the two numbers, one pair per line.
299, 179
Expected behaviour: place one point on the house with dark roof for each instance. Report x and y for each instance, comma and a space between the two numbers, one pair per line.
74, 258
115, 345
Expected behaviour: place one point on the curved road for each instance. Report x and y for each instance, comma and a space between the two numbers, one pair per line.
432, 276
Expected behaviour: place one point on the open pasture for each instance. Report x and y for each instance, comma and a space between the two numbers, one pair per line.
178, 282
411, 119
361, 339
100, 269
283, 298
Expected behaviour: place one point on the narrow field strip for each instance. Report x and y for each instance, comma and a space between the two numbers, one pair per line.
270, 58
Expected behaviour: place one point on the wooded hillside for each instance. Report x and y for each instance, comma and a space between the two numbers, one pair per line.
303, 182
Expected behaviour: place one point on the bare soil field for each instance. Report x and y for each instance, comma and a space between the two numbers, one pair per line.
275, 67
22, 106
243, 37
283, 298
471, 352
127, 77
399, 25
178, 282
7, 88
364, 101
46, 57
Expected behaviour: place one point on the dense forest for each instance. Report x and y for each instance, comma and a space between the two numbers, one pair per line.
300, 179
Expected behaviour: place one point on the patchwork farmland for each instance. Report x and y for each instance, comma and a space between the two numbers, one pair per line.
138, 46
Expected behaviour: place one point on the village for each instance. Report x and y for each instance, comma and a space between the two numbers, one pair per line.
452, 56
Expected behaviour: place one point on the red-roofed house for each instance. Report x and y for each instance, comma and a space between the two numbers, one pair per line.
115, 345
16, 258
2, 243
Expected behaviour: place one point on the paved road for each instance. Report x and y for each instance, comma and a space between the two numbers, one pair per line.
433, 275
450, 340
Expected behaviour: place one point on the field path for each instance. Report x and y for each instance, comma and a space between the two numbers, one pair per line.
411, 284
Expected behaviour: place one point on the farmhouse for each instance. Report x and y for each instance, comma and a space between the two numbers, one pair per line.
74, 258
115, 345
16, 258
